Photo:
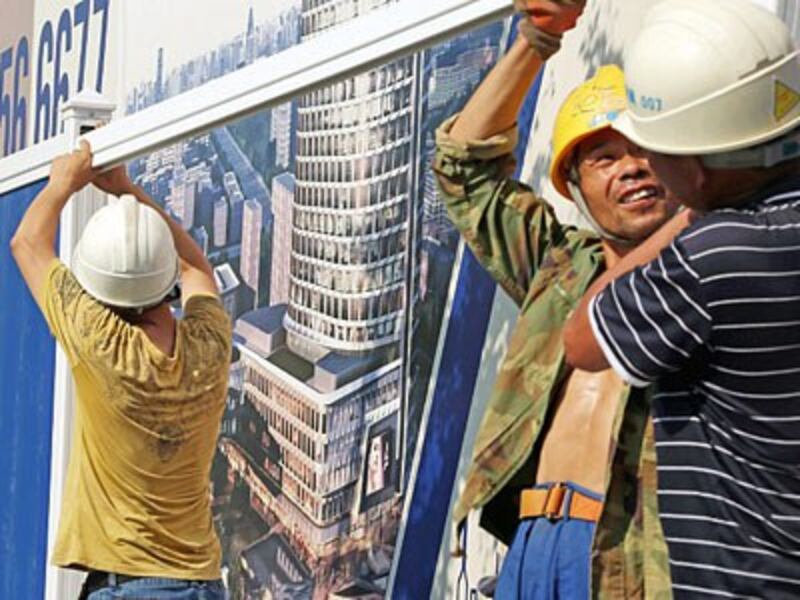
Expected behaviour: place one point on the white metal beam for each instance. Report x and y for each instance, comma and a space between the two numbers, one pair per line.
30, 165
374, 39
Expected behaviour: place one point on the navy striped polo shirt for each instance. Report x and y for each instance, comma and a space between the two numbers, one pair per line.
714, 321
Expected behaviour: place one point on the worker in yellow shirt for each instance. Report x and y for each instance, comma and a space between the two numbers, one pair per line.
150, 389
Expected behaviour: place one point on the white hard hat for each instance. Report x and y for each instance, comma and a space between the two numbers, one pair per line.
709, 77
126, 255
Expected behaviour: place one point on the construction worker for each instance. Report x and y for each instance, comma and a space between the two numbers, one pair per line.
707, 308
560, 476
150, 390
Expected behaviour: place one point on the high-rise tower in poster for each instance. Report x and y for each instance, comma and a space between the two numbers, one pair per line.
322, 363
355, 143
282, 199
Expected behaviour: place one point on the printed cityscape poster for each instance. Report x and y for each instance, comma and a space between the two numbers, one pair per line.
333, 257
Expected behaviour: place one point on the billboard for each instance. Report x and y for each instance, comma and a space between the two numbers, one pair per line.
333, 256
379, 470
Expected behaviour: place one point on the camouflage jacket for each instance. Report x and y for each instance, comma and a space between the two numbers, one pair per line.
545, 267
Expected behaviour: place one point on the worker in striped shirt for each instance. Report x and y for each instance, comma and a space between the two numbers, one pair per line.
708, 308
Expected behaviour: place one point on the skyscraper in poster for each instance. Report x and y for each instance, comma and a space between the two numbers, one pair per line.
282, 198
281, 134
221, 221
252, 222
323, 366
354, 161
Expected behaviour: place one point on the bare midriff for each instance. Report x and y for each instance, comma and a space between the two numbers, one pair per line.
576, 446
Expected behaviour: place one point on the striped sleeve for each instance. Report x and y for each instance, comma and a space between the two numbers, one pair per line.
651, 321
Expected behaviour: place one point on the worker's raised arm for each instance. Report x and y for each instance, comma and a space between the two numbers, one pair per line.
509, 228
494, 106
197, 275
33, 244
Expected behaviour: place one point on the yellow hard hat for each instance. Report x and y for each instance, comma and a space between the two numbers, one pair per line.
591, 107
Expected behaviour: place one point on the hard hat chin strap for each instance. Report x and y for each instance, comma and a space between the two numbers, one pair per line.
764, 155
583, 207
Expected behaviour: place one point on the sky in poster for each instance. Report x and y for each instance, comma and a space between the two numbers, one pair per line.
185, 29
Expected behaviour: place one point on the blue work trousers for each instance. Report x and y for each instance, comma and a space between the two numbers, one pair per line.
549, 559
159, 588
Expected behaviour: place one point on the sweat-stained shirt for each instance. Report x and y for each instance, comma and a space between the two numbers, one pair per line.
136, 499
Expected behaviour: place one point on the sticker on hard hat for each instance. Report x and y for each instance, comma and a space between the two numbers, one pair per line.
786, 98
604, 118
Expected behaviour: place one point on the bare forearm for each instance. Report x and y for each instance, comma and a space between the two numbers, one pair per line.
582, 349
39, 225
33, 244
494, 106
644, 253
187, 248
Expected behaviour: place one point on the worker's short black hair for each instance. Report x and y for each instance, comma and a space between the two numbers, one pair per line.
131, 314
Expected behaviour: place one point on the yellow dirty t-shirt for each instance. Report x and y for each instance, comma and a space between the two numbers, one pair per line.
136, 498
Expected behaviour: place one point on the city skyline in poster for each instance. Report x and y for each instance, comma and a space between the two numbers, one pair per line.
322, 223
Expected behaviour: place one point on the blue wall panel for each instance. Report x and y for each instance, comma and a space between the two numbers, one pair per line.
27, 359
447, 420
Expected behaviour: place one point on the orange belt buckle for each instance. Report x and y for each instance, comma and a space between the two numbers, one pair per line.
549, 503
554, 502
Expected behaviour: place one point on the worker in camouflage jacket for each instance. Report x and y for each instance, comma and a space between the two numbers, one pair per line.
563, 466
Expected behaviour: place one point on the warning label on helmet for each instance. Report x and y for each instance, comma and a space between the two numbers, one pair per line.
786, 99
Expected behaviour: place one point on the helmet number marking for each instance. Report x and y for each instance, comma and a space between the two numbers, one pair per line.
651, 103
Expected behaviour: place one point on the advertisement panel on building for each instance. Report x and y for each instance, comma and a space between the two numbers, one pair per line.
333, 257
